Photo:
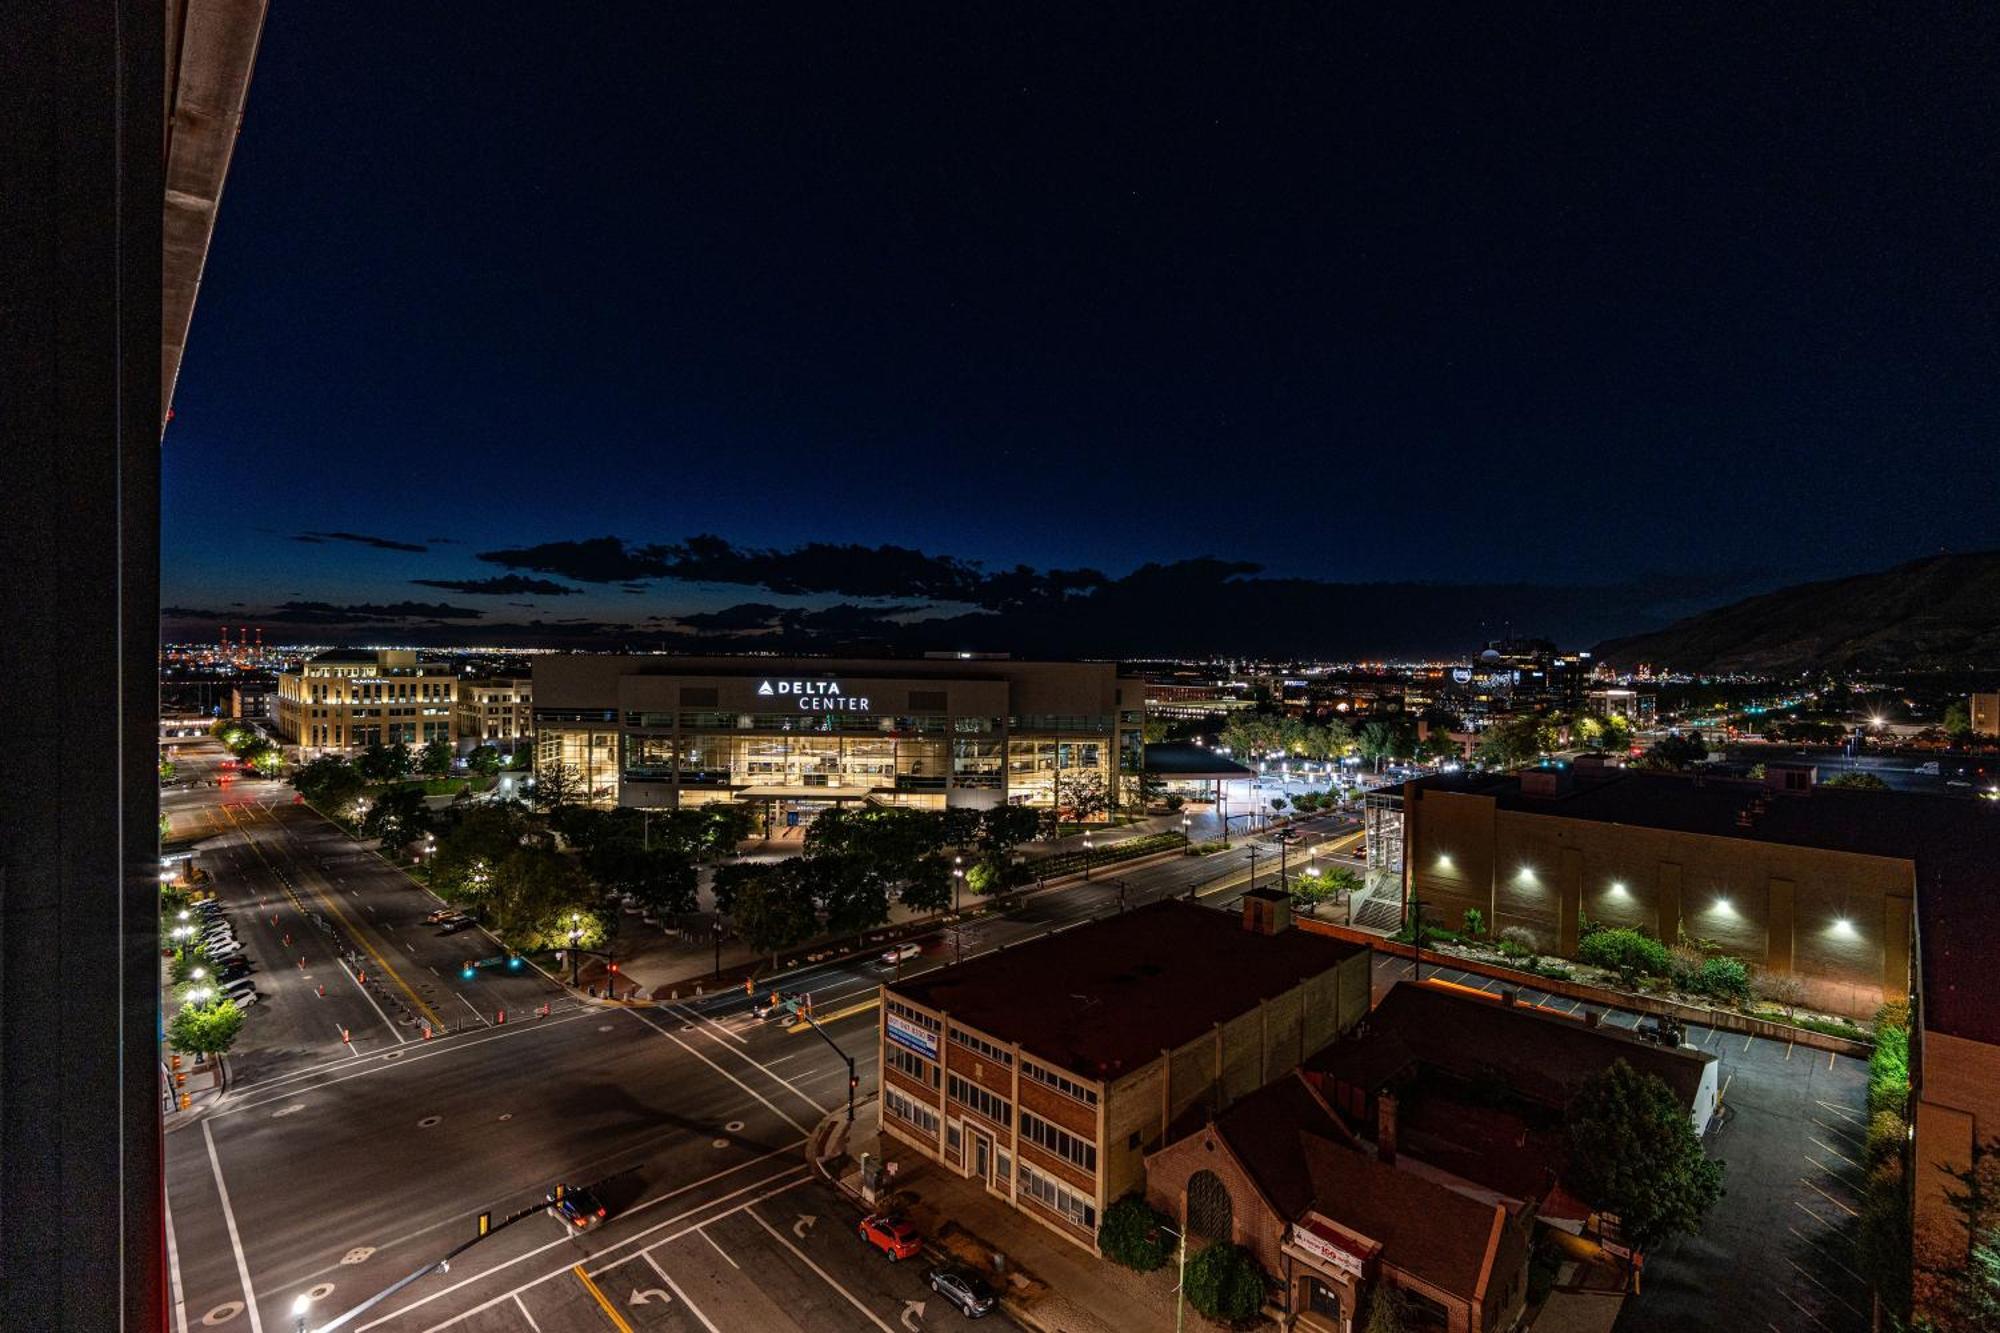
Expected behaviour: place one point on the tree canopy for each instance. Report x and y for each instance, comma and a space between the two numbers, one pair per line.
1633, 1152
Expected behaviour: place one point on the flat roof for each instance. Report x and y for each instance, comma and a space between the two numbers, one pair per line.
1953, 841
1184, 759
1104, 998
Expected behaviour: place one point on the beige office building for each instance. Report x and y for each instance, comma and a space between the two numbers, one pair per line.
1985, 711
351, 698
496, 711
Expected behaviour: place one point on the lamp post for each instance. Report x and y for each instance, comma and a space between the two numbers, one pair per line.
300, 1304
575, 939
1180, 1280
957, 878
1253, 868
1187, 835
1086, 858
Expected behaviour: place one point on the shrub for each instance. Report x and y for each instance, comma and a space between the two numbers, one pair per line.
1887, 1132
1626, 952
1889, 1065
1722, 979
1134, 1235
1475, 922
1553, 971
1224, 1282
1519, 942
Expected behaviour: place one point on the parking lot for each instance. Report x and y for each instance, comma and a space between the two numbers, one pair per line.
1790, 1133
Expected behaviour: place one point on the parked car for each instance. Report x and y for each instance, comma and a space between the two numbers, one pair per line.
442, 914
899, 953
892, 1235
451, 925
231, 968
971, 1293
577, 1207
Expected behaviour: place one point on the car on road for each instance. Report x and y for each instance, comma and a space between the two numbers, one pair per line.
451, 925
971, 1293
1290, 835
892, 1235
441, 915
775, 1004
899, 953
578, 1208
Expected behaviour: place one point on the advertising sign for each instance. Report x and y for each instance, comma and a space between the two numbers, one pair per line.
905, 1033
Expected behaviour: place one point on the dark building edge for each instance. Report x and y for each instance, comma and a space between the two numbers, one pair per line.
81, 118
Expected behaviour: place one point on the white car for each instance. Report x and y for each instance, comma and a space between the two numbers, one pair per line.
899, 954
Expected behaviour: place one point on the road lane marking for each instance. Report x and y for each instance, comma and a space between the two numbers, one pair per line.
468, 1004
825, 1276
675, 1287
174, 1265
603, 1302
235, 1241
731, 1077
704, 1018
798, 1171
400, 1038
699, 1231
524, 1313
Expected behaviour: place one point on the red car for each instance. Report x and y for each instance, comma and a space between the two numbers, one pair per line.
891, 1235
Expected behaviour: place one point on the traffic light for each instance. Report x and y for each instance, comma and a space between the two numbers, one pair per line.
467, 971
514, 962
173, 1062
613, 968
560, 1188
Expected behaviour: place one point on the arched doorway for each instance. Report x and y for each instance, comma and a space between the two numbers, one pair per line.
1209, 1211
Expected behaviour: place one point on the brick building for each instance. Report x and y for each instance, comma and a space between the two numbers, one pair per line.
1048, 1068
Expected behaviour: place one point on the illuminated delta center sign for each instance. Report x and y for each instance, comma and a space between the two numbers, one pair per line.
816, 695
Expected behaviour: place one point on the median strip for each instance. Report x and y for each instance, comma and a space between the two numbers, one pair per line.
838, 1014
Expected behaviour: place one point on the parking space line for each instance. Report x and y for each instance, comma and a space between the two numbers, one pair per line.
1823, 1253
1747, 1039
703, 1233
1828, 1197
524, 1313
675, 1288
824, 1275
1836, 1152
603, 1301
1802, 1310
1823, 1287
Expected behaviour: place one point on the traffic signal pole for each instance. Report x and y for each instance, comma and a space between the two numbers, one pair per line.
837, 1051
443, 1265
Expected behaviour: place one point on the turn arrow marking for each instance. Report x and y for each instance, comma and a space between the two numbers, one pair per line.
803, 1225
913, 1313
645, 1297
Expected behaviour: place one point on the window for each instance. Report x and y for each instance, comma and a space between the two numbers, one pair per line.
910, 1111
1061, 1142
1209, 1210
902, 1010
1058, 1197
971, 1095
1068, 1088
909, 1062
997, 1054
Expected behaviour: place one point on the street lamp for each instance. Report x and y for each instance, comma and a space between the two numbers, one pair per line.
199, 996
1187, 836
300, 1304
957, 879
575, 939
1086, 858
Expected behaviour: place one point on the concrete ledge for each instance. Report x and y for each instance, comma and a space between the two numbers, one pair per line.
1723, 1019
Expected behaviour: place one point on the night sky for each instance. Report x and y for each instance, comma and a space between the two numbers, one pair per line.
1666, 306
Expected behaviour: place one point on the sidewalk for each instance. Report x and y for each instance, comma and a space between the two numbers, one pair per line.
1045, 1282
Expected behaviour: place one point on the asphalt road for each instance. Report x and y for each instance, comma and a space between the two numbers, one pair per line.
331, 1168
1957, 775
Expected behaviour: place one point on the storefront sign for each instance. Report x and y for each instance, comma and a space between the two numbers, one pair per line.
823, 696
905, 1033
1326, 1250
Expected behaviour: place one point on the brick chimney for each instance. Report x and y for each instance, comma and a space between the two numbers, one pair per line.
1385, 1126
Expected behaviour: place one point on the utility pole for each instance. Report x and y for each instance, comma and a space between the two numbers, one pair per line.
814, 1023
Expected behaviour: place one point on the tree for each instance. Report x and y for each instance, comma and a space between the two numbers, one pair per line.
1963, 1293
168, 769
398, 817
1856, 781
929, 885
1675, 752
1134, 1234
1004, 827
266, 759
383, 763
1082, 797
849, 890
206, 1030
1633, 1152
728, 824
483, 760
557, 785
1278, 804
1388, 1310
1224, 1282
471, 850
534, 892
329, 782
1516, 741
1958, 721
772, 909
434, 760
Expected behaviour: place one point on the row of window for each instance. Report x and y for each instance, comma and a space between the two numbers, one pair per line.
912, 1064
1050, 1079
999, 1055
994, 1108
1058, 1197
1055, 1139
910, 1111
922, 1020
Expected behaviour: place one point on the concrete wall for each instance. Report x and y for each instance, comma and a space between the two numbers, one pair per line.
1958, 1106
1837, 920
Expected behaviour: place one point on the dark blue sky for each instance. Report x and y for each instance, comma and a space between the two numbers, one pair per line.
1687, 304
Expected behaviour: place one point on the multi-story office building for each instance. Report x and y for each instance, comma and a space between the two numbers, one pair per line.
250, 700
351, 698
800, 734
496, 711
1985, 713
1047, 1070
1639, 708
